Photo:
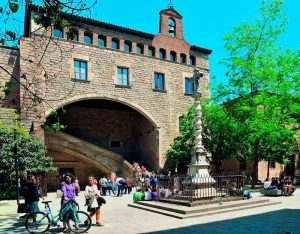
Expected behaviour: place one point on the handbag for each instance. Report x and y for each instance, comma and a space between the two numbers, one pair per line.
22, 208
101, 201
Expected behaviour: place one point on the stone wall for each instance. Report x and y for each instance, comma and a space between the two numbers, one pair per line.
162, 109
9, 72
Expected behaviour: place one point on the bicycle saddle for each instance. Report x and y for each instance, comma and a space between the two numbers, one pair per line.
46, 202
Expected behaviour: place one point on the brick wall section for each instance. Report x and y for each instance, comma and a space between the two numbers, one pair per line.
9, 60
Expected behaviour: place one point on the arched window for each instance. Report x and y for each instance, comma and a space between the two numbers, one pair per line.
171, 27
173, 56
192, 60
182, 58
58, 32
139, 48
115, 43
127, 46
101, 41
73, 35
88, 38
151, 51
162, 54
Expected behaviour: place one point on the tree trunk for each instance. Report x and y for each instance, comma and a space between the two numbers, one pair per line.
255, 165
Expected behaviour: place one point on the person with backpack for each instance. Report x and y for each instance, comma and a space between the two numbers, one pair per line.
103, 185
110, 187
121, 185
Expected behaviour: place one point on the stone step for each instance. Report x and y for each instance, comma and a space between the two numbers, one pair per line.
203, 208
203, 212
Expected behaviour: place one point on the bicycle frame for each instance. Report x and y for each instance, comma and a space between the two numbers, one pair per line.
55, 218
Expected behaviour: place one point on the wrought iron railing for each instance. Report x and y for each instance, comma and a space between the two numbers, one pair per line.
201, 187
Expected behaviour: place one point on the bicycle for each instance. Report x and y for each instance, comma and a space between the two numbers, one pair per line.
77, 221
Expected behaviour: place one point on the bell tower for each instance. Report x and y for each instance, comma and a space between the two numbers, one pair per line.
171, 22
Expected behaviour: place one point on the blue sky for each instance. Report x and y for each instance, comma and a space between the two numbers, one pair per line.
205, 23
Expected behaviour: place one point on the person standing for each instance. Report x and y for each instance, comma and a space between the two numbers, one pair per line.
77, 187
68, 189
128, 187
103, 185
120, 182
31, 194
91, 194
110, 187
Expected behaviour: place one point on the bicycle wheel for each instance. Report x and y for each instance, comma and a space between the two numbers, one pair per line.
79, 224
37, 222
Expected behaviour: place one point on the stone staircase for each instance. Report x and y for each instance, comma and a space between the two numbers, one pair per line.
184, 212
112, 161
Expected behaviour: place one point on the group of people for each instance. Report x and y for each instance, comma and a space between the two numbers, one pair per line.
284, 183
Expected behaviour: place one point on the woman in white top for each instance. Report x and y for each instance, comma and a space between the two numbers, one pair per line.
91, 194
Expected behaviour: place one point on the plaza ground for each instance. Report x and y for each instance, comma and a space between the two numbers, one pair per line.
118, 218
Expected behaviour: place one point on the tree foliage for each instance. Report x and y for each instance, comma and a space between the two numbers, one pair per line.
262, 94
32, 153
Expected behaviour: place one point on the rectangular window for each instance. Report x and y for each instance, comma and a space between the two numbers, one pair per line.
123, 76
159, 81
80, 70
189, 86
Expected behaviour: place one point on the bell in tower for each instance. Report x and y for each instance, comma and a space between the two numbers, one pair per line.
171, 26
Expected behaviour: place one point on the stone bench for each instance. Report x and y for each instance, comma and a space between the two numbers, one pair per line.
271, 192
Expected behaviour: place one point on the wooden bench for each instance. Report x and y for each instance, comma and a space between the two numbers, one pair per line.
271, 192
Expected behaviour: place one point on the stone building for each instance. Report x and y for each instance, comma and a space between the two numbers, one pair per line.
119, 92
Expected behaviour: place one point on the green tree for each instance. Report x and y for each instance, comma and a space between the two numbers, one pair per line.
220, 134
262, 94
180, 150
31, 152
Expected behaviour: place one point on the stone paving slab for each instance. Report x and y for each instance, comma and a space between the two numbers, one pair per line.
118, 218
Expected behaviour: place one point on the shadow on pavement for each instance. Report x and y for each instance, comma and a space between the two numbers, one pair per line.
285, 221
12, 224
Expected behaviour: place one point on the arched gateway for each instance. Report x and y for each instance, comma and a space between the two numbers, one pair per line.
103, 136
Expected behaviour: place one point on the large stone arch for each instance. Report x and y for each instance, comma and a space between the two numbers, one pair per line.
124, 101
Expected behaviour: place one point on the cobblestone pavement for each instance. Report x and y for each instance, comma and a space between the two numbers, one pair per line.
118, 218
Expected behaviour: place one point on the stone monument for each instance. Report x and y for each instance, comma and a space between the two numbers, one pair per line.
200, 182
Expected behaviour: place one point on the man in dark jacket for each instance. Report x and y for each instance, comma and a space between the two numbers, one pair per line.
31, 194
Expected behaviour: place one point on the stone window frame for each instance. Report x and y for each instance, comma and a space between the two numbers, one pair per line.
167, 74
104, 38
117, 41
152, 50
192, 61
174, 54
182, 58
162, 53
89, 35
185, 75
61, 32
84, 58
141, 46
129, 44
74, 31
115, 75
